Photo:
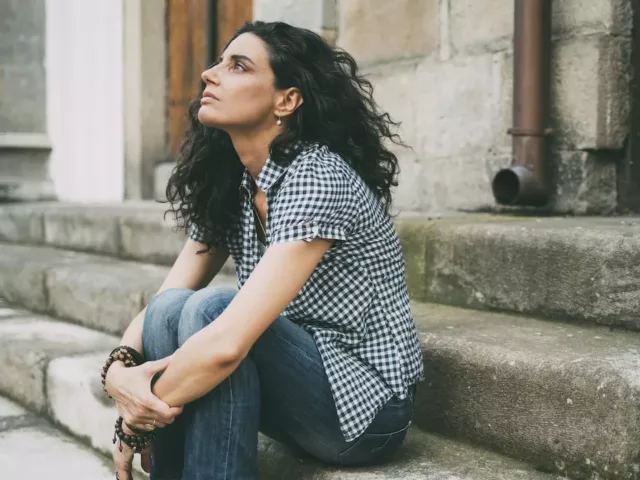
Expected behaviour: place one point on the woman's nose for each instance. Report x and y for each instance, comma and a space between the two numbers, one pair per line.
210, 75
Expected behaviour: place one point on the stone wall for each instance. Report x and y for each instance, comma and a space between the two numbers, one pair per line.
22, 76
24, 144
444, 68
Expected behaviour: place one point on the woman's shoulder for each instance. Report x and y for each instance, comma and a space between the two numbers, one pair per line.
320, 162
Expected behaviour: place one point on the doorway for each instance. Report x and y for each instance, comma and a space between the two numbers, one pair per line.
197, 31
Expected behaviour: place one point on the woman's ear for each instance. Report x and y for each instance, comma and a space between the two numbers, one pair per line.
288, 102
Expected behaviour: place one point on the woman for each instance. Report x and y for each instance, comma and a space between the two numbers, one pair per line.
284, 168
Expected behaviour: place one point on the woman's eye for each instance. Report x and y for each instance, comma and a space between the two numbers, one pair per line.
238, 66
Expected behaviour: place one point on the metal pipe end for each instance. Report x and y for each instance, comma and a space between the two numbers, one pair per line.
518, 185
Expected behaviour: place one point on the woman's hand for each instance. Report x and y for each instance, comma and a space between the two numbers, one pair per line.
131, 389
123, 457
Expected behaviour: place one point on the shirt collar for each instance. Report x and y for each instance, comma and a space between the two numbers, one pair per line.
271, 172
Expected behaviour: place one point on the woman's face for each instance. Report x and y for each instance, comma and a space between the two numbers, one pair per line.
239, 91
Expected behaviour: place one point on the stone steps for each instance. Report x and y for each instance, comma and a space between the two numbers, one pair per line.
52, 367
561, 396
583, 269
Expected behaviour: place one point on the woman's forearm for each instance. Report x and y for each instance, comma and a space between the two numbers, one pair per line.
213, 353
133, 335
196, 368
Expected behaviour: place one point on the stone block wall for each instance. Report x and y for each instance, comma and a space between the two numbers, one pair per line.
444, 68
24, 143
22, 75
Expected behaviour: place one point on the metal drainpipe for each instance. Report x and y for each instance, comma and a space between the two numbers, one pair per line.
526, 182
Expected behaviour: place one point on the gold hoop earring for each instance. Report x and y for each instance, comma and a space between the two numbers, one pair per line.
279, 122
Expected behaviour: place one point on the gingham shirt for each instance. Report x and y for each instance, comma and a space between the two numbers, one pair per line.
355, 304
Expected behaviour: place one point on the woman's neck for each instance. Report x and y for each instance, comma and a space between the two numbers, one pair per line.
253, 149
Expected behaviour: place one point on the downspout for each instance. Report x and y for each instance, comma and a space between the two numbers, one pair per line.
526, 181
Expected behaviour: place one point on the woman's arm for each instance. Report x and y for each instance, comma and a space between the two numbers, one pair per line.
130, 387
190, 270
212, 354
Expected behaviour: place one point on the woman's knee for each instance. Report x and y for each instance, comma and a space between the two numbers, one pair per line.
161, 320
202, 308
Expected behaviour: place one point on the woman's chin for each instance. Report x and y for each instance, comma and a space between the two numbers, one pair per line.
207, 117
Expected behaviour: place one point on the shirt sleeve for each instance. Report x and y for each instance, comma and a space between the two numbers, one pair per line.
198, 234
316, 202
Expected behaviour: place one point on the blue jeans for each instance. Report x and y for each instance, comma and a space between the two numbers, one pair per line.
280, 389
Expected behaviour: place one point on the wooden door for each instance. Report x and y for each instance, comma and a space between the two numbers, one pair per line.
230, 16
198, 30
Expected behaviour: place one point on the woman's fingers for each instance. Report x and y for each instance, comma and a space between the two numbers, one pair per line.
145, 460
154, 407
147, 426
122, 461
156, 366
140, 414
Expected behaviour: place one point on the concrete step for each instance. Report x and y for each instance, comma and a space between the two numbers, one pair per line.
100, 292
585, 269
67, 390
561, 396
30, 449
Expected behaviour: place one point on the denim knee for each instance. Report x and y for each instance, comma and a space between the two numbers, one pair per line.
202, 308
160, 328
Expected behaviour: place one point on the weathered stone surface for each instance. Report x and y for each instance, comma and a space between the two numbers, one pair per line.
412, 28
316, 15
7, 312
396, 87
81, 228
423, 456
99, 292
585, 183
133, 230
21, 224
455, 118
480, 26
10, 409
561, 396
26, 347
488, 25
41, 452
22, 74
161, 174
147, 237
23, 271
437, 185
103, 294
587, 16
580, 268
77, 401
590, 85
456, 107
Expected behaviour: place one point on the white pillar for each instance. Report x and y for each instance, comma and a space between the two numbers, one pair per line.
84, 62
145, 93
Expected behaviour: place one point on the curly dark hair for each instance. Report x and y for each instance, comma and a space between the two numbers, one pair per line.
338, 111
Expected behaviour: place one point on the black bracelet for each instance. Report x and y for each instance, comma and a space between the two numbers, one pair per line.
127, 355
137, 442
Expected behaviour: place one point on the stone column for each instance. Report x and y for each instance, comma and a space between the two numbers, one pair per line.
317, 15
24, 142
145, 87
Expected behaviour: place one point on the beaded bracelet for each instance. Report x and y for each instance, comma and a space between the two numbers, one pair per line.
124, 354
137, 442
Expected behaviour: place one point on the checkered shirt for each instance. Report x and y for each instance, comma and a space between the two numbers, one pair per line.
355, 304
